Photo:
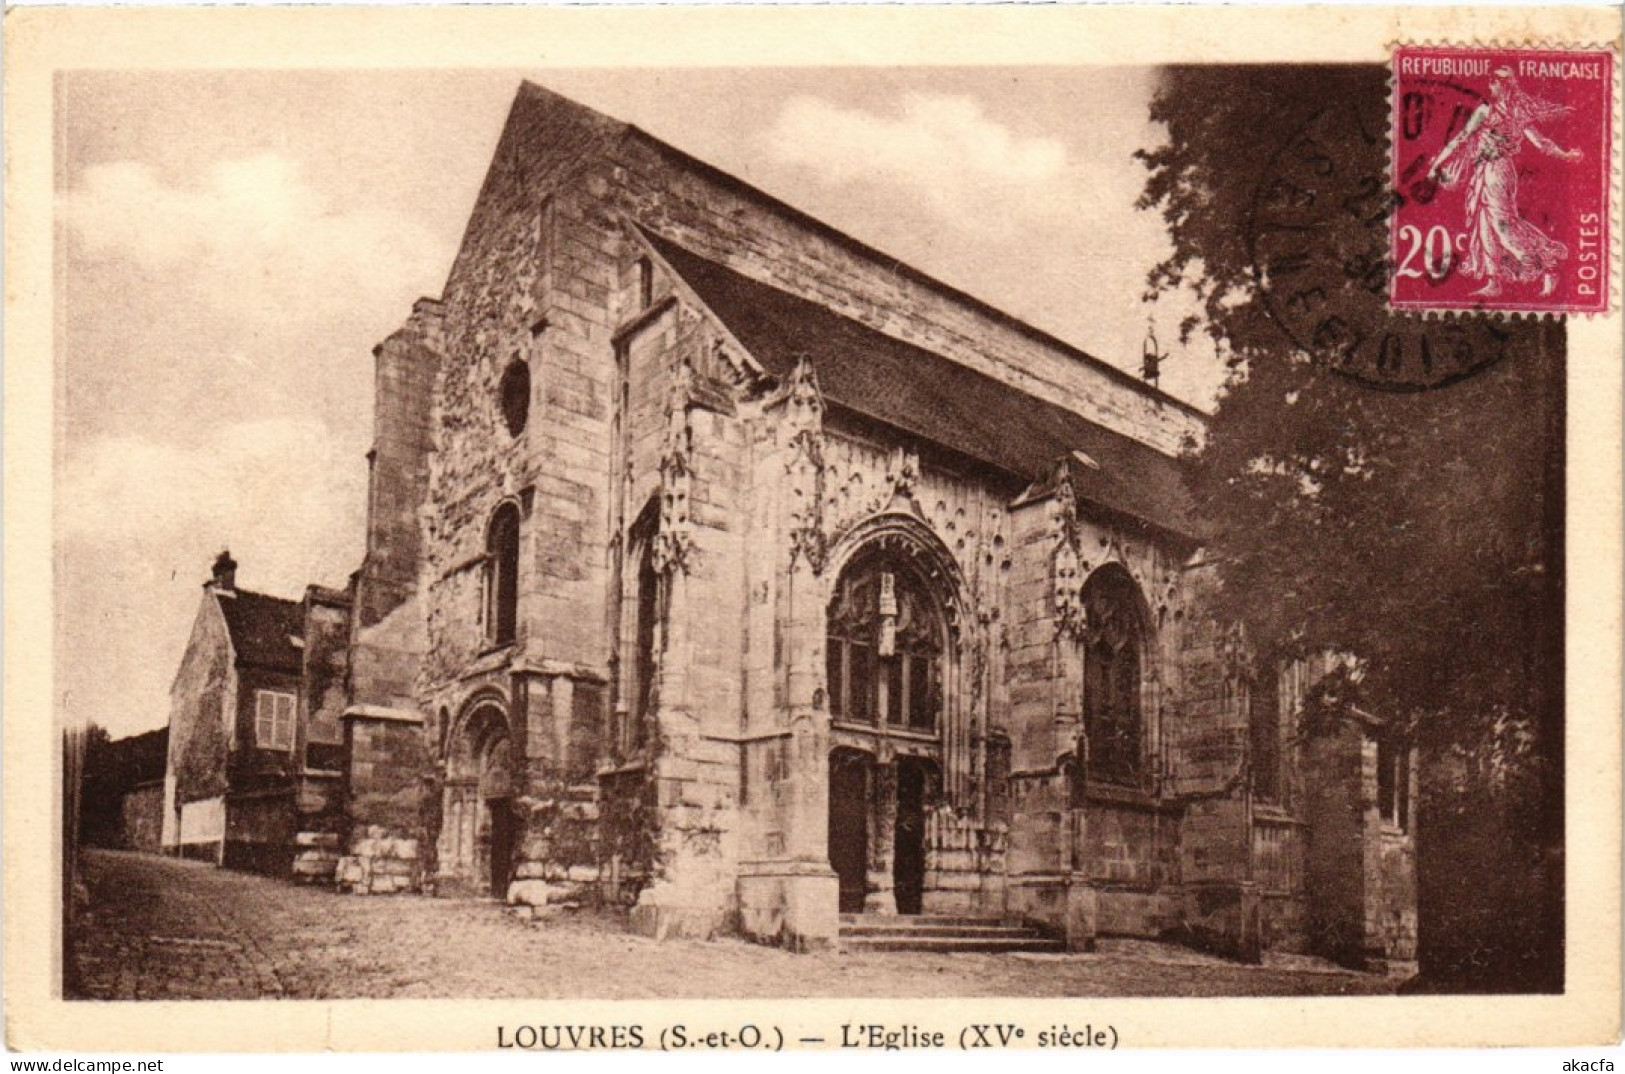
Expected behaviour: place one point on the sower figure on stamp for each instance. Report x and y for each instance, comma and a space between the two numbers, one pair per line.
1501, 244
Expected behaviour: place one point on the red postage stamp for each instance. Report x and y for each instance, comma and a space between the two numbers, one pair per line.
1501, 163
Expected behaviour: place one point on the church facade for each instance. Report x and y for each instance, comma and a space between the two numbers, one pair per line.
722, 567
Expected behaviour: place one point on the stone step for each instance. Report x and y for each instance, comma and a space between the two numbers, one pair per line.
908, 928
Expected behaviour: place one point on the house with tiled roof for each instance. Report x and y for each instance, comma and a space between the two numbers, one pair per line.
723, 568
254, 769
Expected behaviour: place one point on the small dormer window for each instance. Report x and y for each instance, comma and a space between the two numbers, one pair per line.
1113, 648
502, 576
514, 396
1394, 783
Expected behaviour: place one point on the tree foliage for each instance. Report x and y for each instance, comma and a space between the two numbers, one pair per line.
1418, 530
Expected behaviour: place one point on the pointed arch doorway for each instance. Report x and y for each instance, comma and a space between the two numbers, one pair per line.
479, 833
849, 826
887, 654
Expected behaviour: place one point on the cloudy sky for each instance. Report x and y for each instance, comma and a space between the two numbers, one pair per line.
233, 244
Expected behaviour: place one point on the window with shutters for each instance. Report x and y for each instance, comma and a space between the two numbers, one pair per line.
884, 647
1113, 644
273, 720
998, 779
644, 641
1264, 727
1394, 783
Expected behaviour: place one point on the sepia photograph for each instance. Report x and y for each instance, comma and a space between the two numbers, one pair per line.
828, 530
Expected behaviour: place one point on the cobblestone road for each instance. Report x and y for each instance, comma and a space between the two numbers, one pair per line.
163, 929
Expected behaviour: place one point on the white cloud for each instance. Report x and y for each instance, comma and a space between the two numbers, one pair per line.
280, 492
222, 327
250, 235
945, 148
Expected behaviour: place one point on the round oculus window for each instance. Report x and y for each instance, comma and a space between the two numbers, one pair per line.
514, 393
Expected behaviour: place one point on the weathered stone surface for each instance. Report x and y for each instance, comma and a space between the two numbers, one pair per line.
166, 930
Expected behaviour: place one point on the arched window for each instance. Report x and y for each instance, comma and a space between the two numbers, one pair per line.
1112, 653
884, 647
502, 575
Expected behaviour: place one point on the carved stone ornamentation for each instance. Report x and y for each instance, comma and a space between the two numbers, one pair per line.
673, 546
1067, 567
804, 466
1066, 580
1235, 655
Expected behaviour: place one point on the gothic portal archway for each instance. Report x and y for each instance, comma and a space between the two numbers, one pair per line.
479, 828
890, 665
849, 825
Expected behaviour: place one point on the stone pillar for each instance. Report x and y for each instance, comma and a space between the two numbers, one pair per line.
1082, 923
1250, 941
1335, 874
793, 885
552, 763
560, 857
812, 891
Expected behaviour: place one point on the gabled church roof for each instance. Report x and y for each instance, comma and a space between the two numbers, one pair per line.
937, 399
263, 629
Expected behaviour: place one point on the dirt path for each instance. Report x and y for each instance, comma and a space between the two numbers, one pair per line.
164, 929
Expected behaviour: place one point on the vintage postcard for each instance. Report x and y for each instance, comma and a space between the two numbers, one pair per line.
775, 529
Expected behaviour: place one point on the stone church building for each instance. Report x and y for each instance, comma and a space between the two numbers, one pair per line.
724, 567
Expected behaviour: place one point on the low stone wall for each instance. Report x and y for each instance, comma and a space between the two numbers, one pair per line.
1391, 904
141, 817
1283, 923
1134, 912
789, 904
964, 871
1223, 917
